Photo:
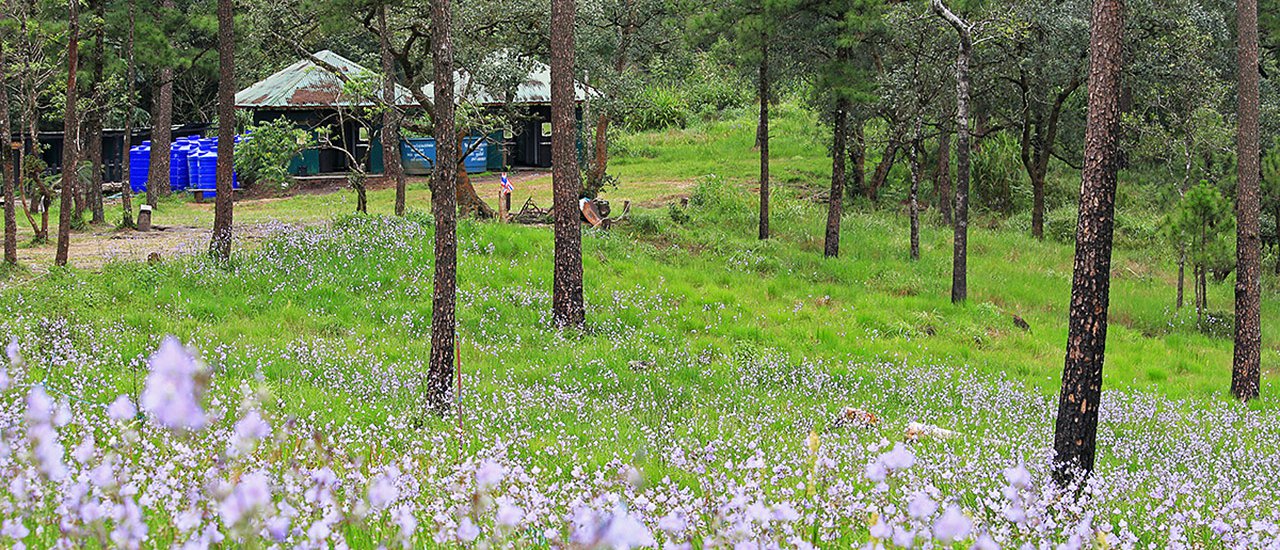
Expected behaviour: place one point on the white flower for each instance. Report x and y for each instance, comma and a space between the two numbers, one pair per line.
953, 525
509, 515
1018, 476
921, 506
252, 427
467, 530
899, 458
672, 523
489, 474
44, 438
623, 532
383, 491
251, 494
14, 353
171, 394
122, 409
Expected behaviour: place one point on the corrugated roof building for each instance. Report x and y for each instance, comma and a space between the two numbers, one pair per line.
309, 93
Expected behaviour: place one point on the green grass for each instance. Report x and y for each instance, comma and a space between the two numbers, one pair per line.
705, 285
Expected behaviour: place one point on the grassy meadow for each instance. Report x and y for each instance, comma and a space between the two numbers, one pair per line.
704, 348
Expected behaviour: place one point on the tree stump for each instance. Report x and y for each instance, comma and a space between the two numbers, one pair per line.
144, 218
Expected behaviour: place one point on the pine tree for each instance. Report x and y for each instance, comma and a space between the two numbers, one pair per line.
220, 243
567, 303
1075, 436
444, 207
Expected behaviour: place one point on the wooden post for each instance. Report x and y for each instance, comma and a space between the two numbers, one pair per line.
144, 218
504, 204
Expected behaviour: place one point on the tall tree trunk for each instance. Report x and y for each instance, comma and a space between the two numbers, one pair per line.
567, 304
959, 257
942, 176
882, 169
10, 165
914, 202
93, 194
70, 131
220, 244
1075, 436
1245, 371
126, 192
835, 200
391, 116
1182, 271
444, 208
161, 131
857, 158
762, 136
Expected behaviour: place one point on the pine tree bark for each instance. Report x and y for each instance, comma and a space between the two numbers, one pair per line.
444, 208
161, 131
391, 116
71, 130
882, 169
220, 244
131, 74
567, 303
857, 159
1075, 436
835, 200
942, 176
1245, 372
762, 136
10, 165
1182, 272
960, 254
913, 206
93, 194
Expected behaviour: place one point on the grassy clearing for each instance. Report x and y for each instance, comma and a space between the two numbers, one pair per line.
744, 348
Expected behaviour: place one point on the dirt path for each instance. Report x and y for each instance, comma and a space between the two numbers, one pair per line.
93, 249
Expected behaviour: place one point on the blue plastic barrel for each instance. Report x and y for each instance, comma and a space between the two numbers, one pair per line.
207, 167
139, 167
179, 175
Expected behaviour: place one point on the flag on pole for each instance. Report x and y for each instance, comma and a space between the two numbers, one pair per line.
507, 188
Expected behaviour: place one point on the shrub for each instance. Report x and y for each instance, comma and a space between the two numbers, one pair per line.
658, 108
999, 180
264, 154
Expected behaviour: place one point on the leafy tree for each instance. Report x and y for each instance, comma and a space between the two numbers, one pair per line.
964, 56
1042, 59
264, 155
1203, 224
617, 40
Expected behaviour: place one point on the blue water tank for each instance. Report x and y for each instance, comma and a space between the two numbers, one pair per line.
179, 172
207, 167
478, 160
417, 155
139, 166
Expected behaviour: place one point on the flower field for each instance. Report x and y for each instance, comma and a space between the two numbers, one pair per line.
277, 402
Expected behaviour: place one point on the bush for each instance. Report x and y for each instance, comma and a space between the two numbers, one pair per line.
999, 180
265, 152
658, 108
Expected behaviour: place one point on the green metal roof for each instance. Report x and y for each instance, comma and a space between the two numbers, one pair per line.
308, 85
